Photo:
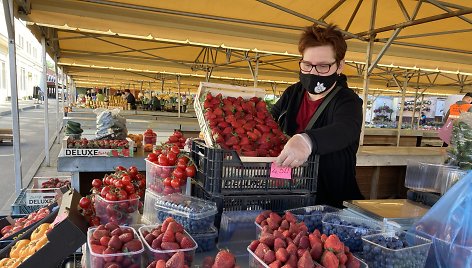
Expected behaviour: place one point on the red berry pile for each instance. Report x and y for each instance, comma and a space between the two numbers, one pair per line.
224, 259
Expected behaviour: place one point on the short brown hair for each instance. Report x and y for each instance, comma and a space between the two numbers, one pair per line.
315, 36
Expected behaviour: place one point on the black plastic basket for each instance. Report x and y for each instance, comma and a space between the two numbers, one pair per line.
221, 171
275, 202
428, 199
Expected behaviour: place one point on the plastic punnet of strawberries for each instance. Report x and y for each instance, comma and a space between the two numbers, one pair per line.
115, 197
244, 125
171, 170
284, 241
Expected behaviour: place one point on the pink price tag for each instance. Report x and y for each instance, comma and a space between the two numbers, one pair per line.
280, 172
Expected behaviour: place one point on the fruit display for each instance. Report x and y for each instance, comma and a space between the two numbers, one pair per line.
223, 259
170, 243
47, 183
24, 248
269, 221
168, 169
312, 215
195, 214
349, 229
243, 125
206, 240
114, 246
395, 250
177, 138
97, 144
115, 198
24, 222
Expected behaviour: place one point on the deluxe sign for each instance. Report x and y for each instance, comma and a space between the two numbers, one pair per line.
39, 199
82, 152
98, 152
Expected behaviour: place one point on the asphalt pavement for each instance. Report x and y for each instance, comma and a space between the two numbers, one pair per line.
31, 145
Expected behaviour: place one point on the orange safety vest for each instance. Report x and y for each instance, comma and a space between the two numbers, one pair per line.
456, 109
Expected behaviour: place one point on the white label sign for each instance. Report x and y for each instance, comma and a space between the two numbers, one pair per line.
39, 199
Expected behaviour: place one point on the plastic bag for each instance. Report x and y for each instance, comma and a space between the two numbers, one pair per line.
449, 225
110, 122
460, 150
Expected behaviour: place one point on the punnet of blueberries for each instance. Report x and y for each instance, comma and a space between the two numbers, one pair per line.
312, 215
206, 240
401, 249
349, 229
195, 214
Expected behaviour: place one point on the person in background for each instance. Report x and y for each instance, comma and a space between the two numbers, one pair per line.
336, 132
100, 96
130, 99
118, 93
459, 107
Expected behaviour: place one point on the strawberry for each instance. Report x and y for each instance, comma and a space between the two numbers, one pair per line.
352, 262
300, 252
179, 236
293, 229
329, 260
278, 234
166, 223
272, 224
269, 257
316, 251
186, 243
342, 258
275, 264
302, 227
282, 255
317, 233
296, 241
98, 249
333, 243
279, 243
284, 225
170, 245
253, 245
306, 261
323, 238
267, 239
292, 260
292, 249
261, 250
304, 242
161, 264
314, 240
168, 236
176, 261
175, 227
224, 259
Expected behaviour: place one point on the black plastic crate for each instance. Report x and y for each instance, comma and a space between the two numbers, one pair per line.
222, 172
428, 199
275, 202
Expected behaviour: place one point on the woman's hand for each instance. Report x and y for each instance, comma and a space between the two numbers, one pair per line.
295, 152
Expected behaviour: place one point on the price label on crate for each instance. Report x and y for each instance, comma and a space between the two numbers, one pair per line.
280, 172
39, 198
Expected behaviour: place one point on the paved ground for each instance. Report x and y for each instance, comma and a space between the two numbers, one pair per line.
32, 147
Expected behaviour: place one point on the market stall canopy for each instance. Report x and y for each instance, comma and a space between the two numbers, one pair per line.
428, 41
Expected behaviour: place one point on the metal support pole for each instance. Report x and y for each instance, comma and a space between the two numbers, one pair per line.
421, 110
10, 23
58, 119
256, 71
414, 109
366, 70
45, 95
402, 106
178, 89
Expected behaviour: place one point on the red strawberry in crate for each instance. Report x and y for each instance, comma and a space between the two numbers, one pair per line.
333, 244
224, 259
329, 260
176, 261
306, 261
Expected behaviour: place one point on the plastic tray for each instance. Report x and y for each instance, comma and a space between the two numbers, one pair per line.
206, 240
99, 260
155, 255
427, 177
275, 202
123, 212
19, 207
452, 177
221, 171
195, 214
149, 211
350, 235
312, 215
255, 262
155, 175
237, 226
414, 255
428, 199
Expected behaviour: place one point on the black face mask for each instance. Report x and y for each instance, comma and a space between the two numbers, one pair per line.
317, 84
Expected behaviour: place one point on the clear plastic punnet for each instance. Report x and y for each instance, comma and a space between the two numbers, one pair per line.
427, 177
395, 249
156, 254
195, 214
123, 259
449, 225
